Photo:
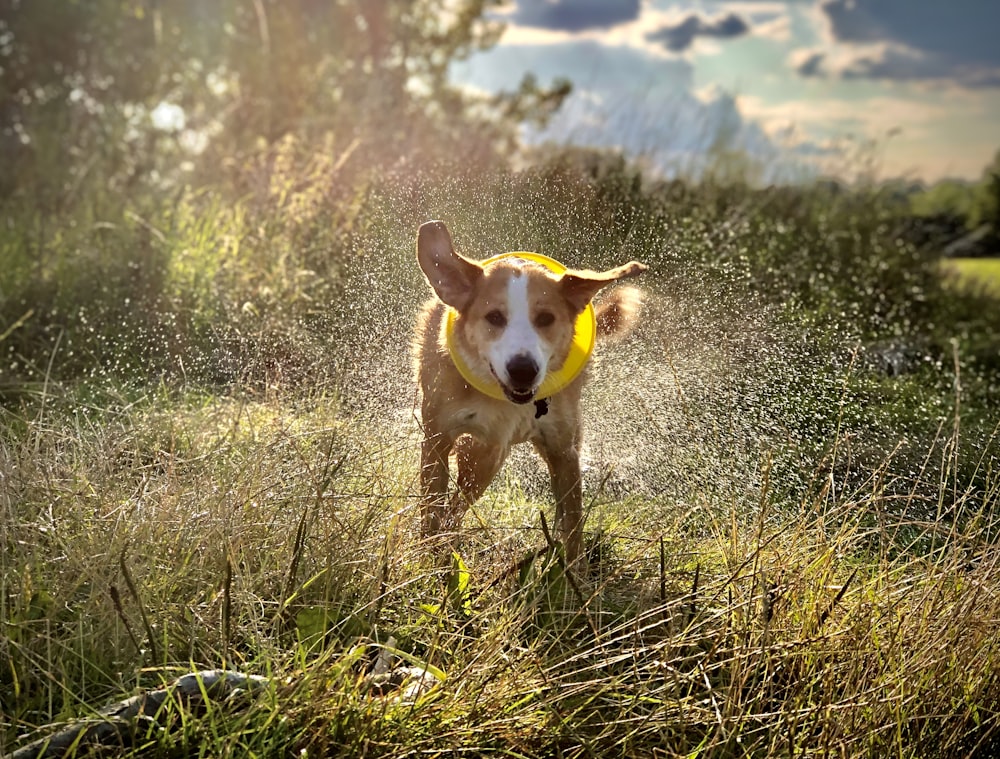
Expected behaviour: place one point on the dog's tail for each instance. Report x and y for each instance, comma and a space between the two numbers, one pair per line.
617, 312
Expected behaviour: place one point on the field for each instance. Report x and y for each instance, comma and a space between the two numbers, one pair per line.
977, 273
209, 460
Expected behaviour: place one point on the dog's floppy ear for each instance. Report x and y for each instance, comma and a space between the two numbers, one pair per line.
578, 287
452, 276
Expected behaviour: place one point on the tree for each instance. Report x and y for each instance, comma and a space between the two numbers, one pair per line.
987, 207
79, 80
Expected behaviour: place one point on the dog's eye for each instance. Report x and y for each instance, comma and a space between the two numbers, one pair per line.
545, 319
496, 319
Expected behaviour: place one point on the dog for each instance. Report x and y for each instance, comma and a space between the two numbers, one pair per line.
501, 356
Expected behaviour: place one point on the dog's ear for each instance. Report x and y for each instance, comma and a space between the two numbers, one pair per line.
452, 276
578, 287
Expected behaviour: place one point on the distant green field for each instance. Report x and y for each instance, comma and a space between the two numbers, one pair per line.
976, 273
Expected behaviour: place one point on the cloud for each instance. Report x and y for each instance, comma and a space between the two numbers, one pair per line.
658, 29
632, 91
903, 63
891, 62
808, 62
839, 117
962, 30
626, 99
908, 40
590, 64
680, 36
776, 28
573, 15
910, 134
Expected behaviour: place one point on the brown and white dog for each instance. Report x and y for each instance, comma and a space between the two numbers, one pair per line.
504, 326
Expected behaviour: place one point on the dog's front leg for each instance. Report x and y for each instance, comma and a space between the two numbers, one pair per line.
478, 464
569, 503
434, 482
564, 471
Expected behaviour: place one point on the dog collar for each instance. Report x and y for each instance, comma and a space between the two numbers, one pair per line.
584, 333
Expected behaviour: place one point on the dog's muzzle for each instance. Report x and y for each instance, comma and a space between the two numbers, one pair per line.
522, 375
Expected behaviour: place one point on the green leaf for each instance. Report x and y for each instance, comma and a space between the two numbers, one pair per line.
312, 622
458, 586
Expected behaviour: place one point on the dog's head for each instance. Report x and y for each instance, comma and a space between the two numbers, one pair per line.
515, 318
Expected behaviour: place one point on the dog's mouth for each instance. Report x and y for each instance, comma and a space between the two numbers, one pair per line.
515, 395
518, 396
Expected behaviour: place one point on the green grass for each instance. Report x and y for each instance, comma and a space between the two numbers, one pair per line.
211, 460
976, 273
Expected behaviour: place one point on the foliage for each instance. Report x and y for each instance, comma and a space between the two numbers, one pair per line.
988, 211
982, 274
974, 206
948, 197
113, 95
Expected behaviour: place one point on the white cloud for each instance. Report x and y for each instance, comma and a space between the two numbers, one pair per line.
649, 31
891, 62
634, 93
903, 135
908, 40
778, 28
624, 98
530, 35
680, 36
573, 15
871, 117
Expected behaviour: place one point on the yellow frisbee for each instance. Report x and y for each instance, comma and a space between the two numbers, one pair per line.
584, 334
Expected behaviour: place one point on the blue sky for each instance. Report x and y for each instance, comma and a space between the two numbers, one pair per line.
909, 87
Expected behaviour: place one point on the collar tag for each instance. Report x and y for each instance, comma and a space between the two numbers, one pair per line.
541, 408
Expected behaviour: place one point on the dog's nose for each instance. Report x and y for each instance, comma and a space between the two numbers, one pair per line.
522, 371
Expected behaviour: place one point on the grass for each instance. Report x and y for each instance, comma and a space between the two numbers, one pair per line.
277, 539
210, 461
976, 273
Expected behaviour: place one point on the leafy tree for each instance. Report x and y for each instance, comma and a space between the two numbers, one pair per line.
947, 197
987, 208
79, 80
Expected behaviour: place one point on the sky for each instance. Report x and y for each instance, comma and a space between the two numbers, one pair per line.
898, 88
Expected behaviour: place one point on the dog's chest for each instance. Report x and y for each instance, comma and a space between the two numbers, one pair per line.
501, 423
